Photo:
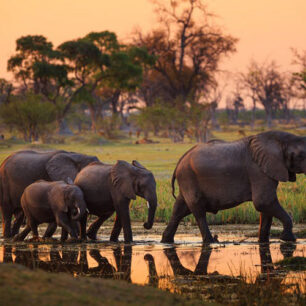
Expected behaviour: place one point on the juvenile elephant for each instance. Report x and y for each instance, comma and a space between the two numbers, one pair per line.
220, 175
109, 188
50, 202
23, 168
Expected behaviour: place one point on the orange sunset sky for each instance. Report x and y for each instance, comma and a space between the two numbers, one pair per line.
267, 29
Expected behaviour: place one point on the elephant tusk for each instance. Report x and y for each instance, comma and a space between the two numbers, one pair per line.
78, 209
148, 205
87, 210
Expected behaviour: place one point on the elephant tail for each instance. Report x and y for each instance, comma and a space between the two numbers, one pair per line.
173, 183
174, 172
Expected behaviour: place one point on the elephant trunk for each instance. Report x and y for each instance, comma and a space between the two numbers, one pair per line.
78, 210
152, 205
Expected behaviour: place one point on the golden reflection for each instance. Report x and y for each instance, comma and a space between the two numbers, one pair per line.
159, 266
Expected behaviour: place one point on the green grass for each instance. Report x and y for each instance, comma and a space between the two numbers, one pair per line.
161, 159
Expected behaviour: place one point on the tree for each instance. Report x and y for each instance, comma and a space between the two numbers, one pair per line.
104, 69
30, 115
298, 79
161, 116
188, 49
266, 85
39, 67
6, 90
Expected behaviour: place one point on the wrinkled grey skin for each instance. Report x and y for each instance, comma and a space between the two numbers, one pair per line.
221, 175
52, 202
109, 188
23, 168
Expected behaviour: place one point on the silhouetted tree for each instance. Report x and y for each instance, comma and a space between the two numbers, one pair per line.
266, 84
187, 47
299, 78
188, 50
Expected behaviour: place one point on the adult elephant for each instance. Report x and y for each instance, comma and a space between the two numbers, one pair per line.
221, 175
23, 168
109, 188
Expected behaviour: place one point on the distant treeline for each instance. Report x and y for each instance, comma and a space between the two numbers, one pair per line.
165, 80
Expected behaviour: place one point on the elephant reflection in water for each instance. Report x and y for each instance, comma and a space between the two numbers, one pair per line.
267, 267
73, 261
31, 258
106, 270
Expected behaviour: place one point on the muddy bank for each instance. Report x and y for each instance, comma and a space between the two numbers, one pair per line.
21, 286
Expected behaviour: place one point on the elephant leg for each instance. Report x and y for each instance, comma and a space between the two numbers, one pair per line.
21, 236
83, 224
50, 230
180, 210
283, 216
74, 231
123, 213
274, 209
64, 234
65, 224
94, 227
34, 229
200, 217
264, 227
19, 216
116, 230
7, 228
6, 223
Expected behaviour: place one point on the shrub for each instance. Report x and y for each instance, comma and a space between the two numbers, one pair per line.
29, 115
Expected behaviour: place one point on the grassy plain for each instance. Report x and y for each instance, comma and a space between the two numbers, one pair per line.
161, 159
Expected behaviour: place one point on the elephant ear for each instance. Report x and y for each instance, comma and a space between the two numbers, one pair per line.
138, 165
267, 153
122, 178
61, 166
58, 195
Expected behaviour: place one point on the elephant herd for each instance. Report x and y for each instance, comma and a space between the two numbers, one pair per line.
61, 188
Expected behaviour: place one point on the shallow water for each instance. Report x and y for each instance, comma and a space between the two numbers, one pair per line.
186, 267
166, 266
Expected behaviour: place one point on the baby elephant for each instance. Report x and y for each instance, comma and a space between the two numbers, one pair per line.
52, 202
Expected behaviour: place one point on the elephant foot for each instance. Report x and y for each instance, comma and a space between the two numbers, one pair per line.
91, 236
167, 240
14, 239
263, 239
128, 241
113, 240
288, 236
8, 237
211, 239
